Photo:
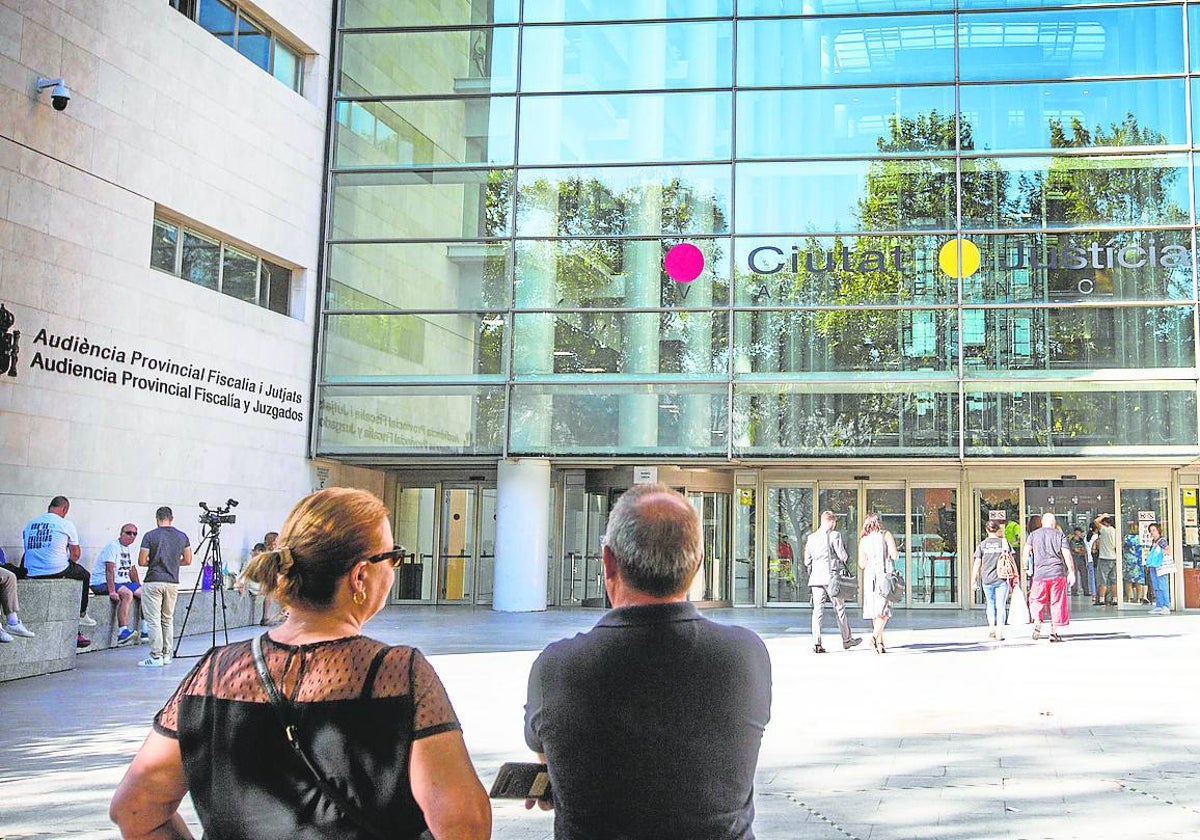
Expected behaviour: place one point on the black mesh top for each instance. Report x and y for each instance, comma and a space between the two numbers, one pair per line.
357, 704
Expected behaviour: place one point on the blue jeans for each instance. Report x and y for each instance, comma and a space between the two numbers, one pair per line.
1162, 596
996, 595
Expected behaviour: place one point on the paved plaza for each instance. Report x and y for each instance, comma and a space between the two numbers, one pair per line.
946, 736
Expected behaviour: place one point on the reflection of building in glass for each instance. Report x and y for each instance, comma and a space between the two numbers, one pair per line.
503, 194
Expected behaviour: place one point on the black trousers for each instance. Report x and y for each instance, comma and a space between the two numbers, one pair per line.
75, 572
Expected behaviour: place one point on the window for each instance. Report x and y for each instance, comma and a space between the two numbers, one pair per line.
233, 25
206, 261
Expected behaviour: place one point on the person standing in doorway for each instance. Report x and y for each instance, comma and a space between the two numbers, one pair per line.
1133, 570
1079, 555
1160, 551
824, 556
877, 555
1106, 559
1049, 556
987, 570
164, 550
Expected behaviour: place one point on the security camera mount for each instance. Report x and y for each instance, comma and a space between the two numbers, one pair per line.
60, 94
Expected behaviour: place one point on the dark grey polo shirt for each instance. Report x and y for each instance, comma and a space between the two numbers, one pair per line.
651, 724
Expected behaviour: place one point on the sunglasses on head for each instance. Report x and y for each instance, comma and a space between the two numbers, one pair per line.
395, 556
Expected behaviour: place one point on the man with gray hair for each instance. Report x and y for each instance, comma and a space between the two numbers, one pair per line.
650, 723
1048, 557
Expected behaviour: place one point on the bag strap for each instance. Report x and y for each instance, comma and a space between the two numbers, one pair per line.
283, 711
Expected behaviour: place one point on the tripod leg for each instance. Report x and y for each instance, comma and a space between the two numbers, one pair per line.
191, 599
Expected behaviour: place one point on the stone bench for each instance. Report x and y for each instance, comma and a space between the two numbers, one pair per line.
50, 608
241, 609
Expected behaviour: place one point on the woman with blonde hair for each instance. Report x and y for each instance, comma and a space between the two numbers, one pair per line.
311, 730
876, 557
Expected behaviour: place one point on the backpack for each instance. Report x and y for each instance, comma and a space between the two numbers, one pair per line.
1006, 564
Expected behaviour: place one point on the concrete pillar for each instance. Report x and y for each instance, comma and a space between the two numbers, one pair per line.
522, 535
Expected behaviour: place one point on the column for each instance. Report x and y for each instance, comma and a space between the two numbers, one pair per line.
522, 535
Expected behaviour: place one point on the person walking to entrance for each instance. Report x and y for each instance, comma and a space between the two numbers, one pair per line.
1049, 556
877, 556
1106, 560
993, 568
824, 556
1160, 551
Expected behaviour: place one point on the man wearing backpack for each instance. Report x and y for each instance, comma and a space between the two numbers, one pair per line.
994, 567
1049, 554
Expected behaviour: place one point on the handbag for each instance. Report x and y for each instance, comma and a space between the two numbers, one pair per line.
894, 585
842, 582
283, 711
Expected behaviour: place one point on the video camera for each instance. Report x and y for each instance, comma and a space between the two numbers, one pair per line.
220, 516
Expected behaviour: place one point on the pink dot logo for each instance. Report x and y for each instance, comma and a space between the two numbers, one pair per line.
684, 262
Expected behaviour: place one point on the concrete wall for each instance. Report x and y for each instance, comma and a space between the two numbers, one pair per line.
163, 116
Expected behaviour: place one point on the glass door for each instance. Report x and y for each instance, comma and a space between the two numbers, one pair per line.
888, 502
713, 581
485, 564
843, 501
1004, 506
788, 523
414, 522
1188, 558
456, 559
1139, 508
585, 517
744, 520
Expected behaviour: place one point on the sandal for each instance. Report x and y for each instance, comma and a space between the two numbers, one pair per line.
1054, 637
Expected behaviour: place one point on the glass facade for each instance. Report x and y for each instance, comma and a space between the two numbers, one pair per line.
760, 230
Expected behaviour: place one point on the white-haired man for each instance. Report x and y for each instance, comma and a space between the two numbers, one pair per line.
651, 722
1048, 556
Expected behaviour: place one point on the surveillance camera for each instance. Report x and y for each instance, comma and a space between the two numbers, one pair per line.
60, 94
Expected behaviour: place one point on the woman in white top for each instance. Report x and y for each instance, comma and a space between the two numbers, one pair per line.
876, 555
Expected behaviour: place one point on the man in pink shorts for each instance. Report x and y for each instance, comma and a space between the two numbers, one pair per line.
1048, 555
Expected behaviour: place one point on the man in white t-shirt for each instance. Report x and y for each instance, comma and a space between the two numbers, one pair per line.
52, 551
116, 576
1106, 560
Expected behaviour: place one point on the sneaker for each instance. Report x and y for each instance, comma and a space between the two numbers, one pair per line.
857, 640
82, 642
1160, 611
86, 620
144, 638
166, 660
125, 637
5, 637
19, 629
151, 662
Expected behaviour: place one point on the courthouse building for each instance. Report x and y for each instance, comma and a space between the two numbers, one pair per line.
498, 260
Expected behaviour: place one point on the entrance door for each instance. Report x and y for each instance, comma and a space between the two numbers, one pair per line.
466, 552
789, 520
843, 501
585, 516
714, 581
888, 502
1140, 506
415, 521
1002, 504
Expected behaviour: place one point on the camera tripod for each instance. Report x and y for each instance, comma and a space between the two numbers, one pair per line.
210, 542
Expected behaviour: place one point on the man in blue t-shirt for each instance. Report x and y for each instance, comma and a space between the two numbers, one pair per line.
52, 551
164, 550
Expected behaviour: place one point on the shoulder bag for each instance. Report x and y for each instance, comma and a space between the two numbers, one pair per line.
283, 711
894, 591
842, 582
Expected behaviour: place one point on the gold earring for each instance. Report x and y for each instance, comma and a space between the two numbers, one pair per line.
360, 597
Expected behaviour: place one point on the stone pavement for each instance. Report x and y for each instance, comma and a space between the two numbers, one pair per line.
944, 737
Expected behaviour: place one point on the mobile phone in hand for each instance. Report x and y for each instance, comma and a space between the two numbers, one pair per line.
522, 780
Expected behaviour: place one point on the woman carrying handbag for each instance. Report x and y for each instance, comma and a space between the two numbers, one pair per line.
877, 556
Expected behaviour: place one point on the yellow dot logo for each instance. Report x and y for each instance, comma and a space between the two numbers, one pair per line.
959, 258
